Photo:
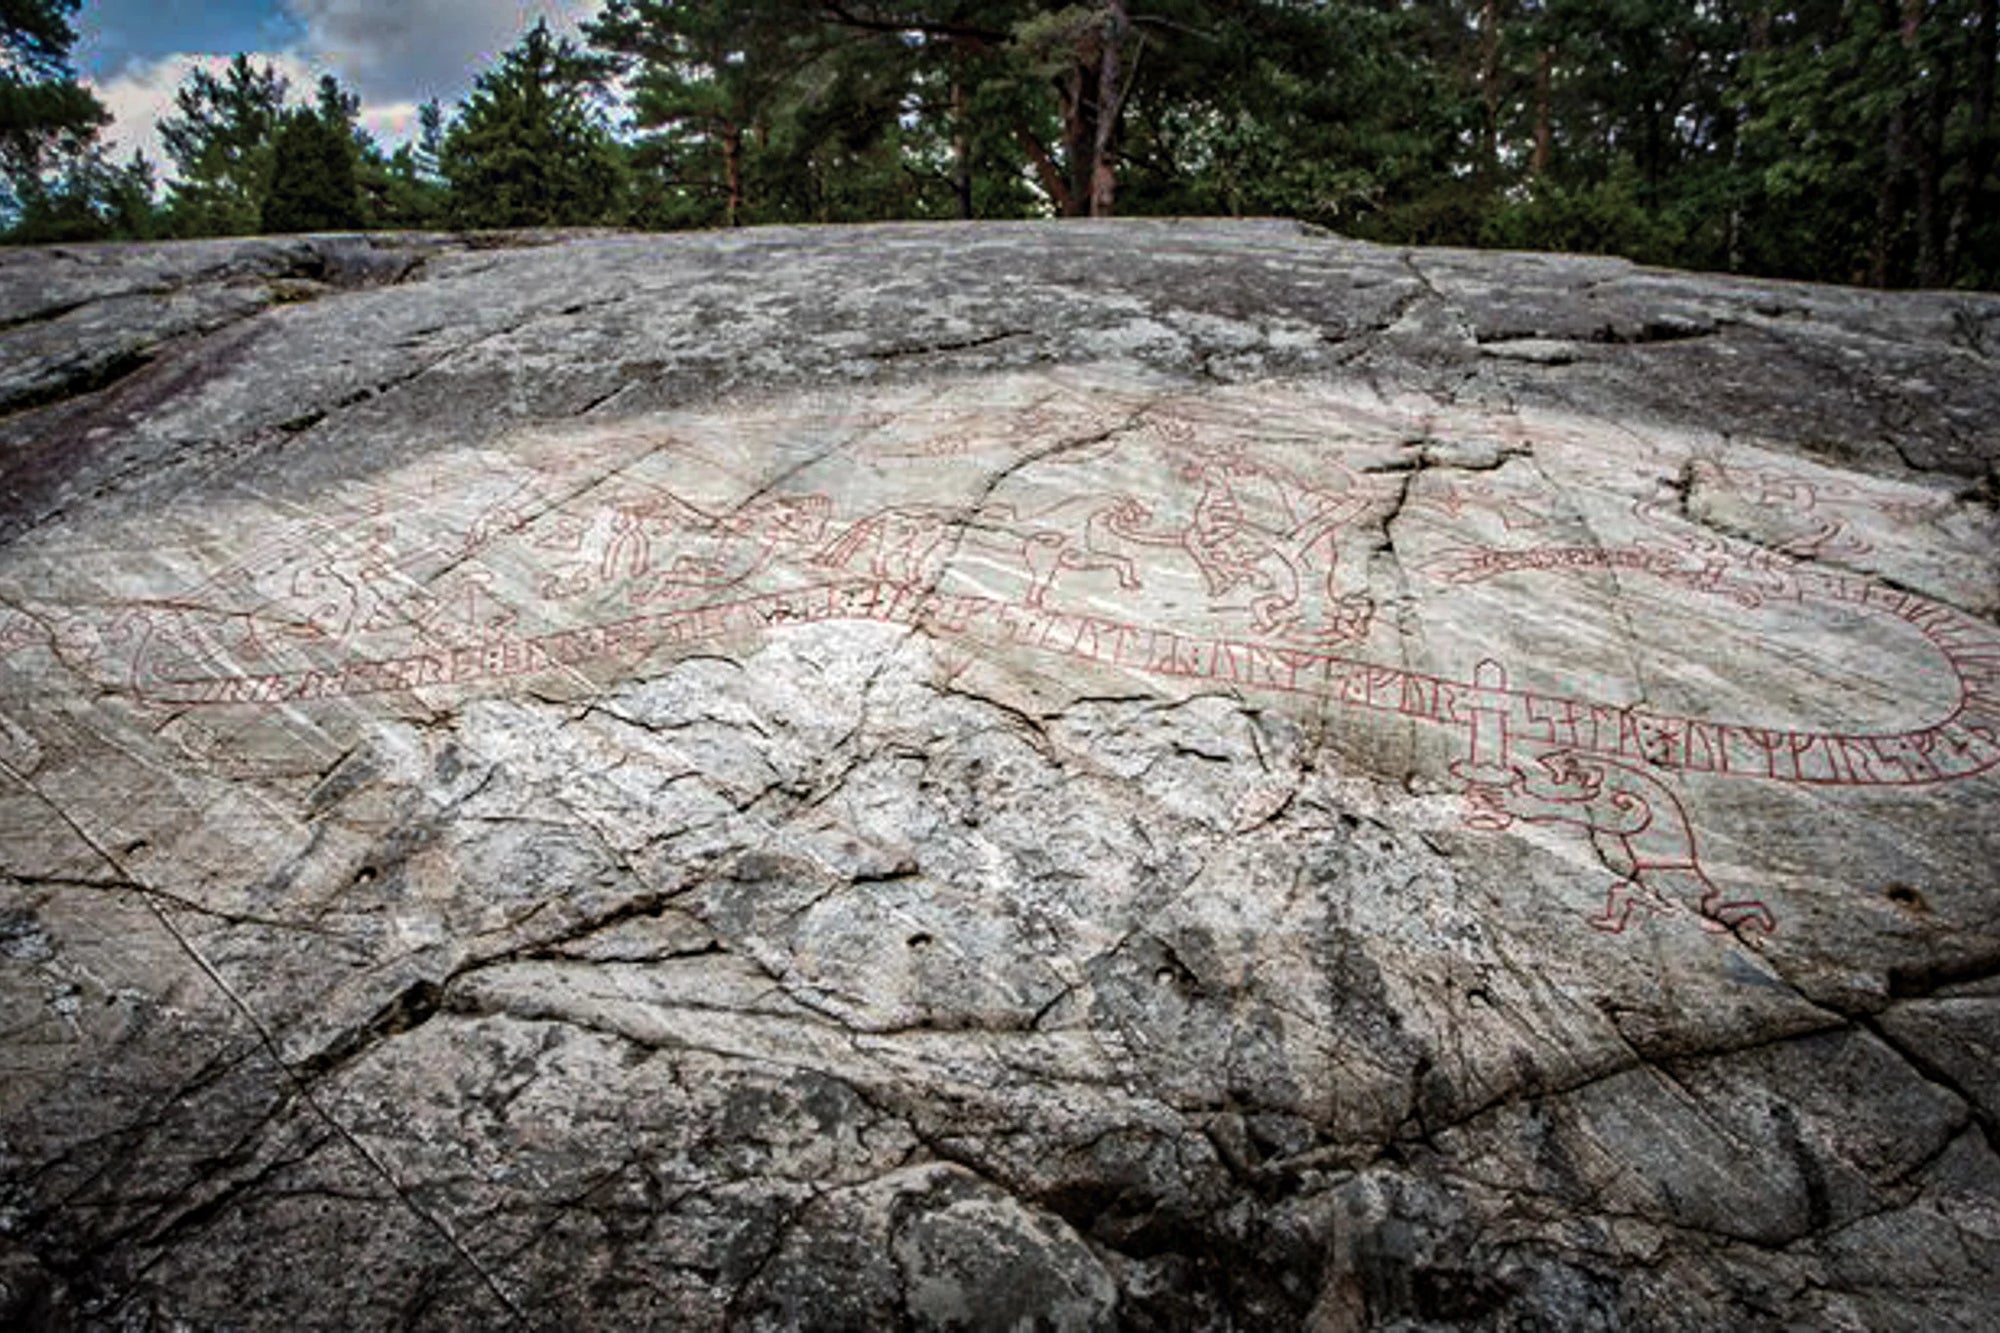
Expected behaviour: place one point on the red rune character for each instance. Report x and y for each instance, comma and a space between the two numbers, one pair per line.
1487, 772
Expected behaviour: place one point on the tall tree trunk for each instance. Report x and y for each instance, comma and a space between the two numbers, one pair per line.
732, 172
1655, 149
1759, 43
1046, 170
1926, 103
1936, 105
1079, 136
1895, 164
1980, 137
1489, 86
1888, 192
1544, 130
1110, 105
961, 144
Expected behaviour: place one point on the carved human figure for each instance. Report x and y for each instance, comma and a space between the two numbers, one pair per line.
364, 581
1262, 539
606, 545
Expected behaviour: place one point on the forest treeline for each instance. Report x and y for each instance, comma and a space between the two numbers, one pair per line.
1837, 140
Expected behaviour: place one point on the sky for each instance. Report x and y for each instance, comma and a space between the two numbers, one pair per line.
394, 53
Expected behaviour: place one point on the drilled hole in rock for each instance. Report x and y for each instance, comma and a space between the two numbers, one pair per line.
1904, 896
365, 875
920, 940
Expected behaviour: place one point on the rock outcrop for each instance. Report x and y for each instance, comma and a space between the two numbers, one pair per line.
1131, 775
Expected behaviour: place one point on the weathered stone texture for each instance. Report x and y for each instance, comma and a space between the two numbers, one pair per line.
1143, 775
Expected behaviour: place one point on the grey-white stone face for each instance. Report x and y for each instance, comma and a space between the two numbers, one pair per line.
1094, 776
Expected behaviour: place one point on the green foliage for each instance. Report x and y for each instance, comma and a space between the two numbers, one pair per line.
708, 80
405, 190
1850, 140
48, 122
92, 199
220, 142
529, 147
1868, 144
313, 185
1296, 111
399, 192
36, 36
1606, 218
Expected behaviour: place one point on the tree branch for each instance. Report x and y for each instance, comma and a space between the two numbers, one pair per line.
838, 12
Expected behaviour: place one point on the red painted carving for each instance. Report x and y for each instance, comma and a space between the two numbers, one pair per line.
404, 598
1449, 502
19, 630
653, 546
1636, 823
1775, 488
1641, 830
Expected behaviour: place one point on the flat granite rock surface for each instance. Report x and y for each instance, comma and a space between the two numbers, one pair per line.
1084, 776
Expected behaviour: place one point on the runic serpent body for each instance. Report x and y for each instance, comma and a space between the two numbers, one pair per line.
1164, 540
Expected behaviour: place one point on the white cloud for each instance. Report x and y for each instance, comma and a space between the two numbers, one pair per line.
391, 124
394, 53
143, 95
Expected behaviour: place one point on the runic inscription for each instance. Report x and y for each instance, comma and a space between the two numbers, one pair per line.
1271, 545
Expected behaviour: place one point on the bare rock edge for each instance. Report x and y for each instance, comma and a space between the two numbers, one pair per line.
1151, 775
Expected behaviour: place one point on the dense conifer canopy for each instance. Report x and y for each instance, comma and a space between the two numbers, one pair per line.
1840, 140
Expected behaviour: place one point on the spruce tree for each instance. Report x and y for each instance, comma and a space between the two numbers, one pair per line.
529, 147
312, 176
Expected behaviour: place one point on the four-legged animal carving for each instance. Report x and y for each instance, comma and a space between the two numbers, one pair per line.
1638, 827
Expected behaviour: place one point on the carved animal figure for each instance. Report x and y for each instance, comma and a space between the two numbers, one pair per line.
737, 545
911, 543
901, 544
659, 547
1640, 829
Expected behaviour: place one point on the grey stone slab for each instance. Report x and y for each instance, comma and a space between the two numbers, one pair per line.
1145, 774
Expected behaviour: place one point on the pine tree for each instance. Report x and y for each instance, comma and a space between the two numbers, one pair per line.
91, 199
428, 153
529, 147
48, 121
706, 78
221, 146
